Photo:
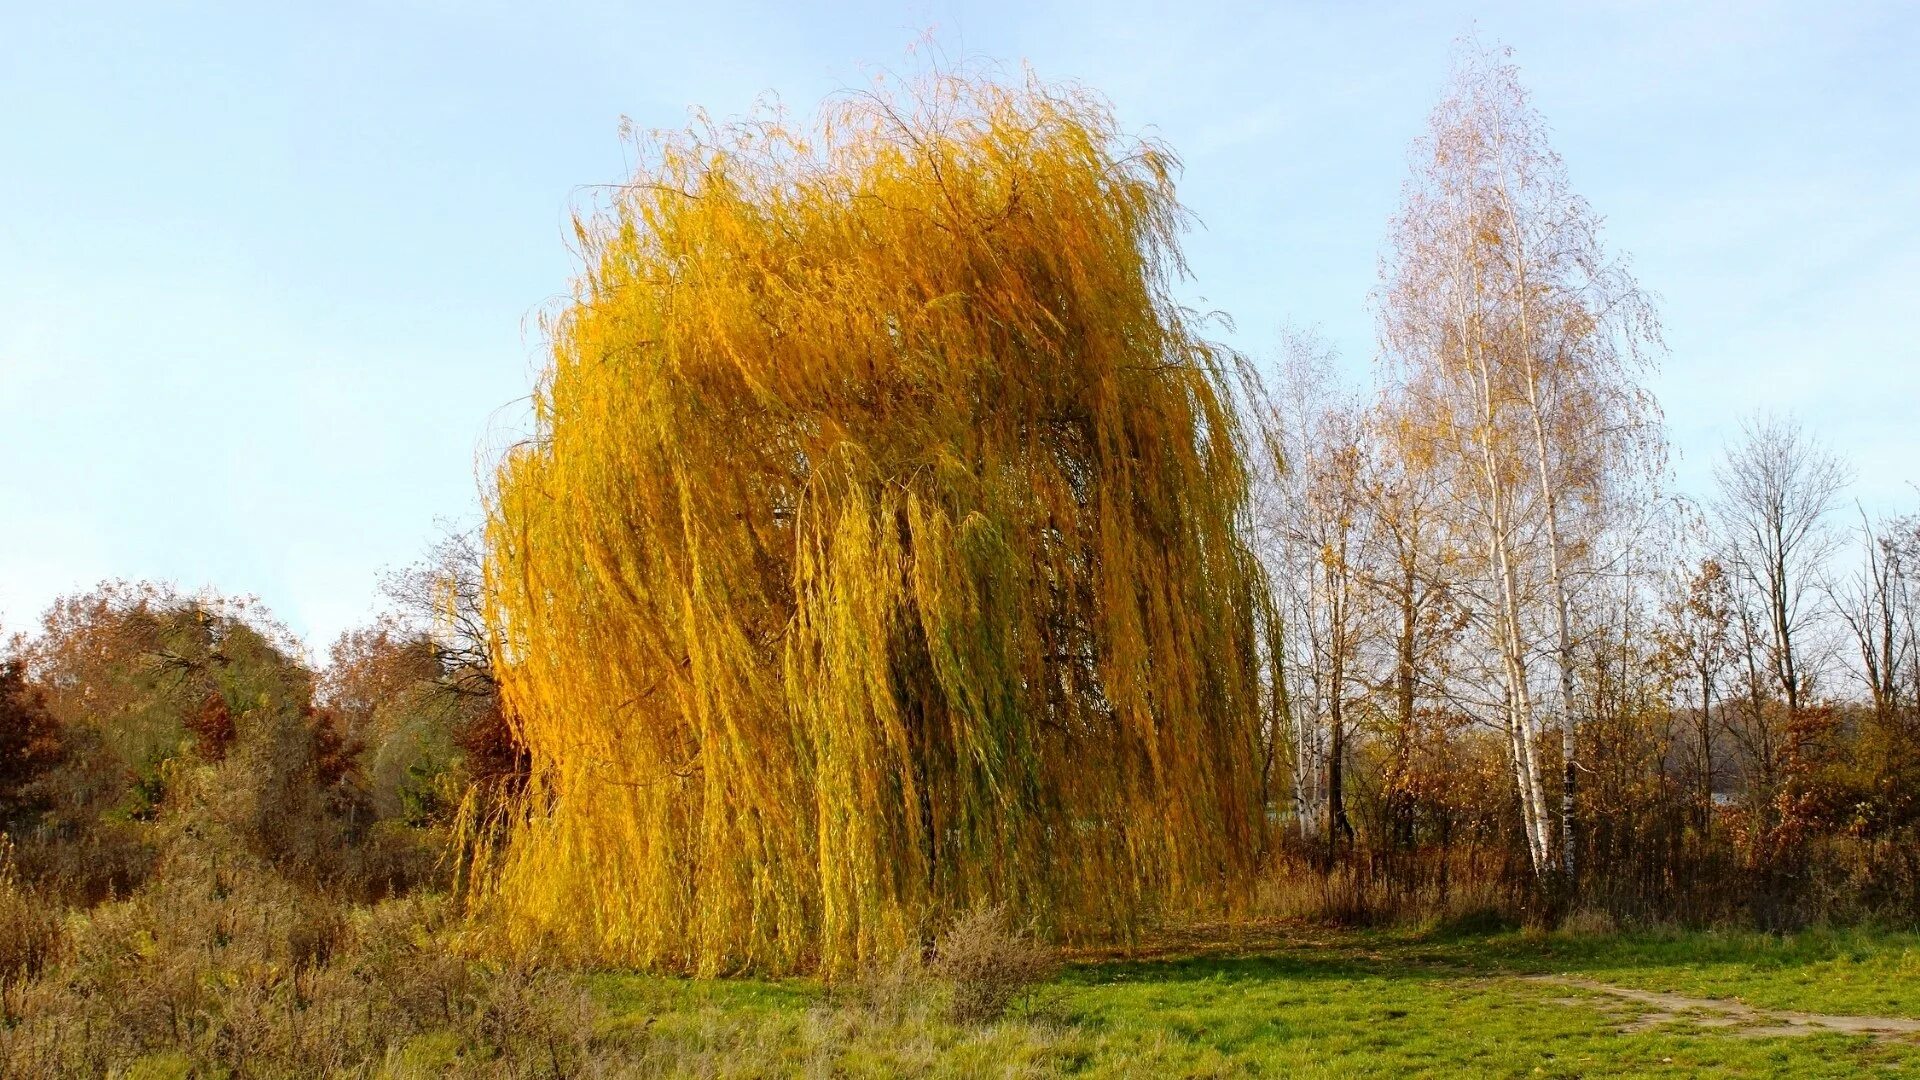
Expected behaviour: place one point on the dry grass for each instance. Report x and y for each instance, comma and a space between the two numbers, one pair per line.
231, 970
31, 938
245, 975
1353, 895
889, 990
1588, 922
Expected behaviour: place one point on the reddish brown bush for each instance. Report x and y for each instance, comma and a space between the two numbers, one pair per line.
29, 741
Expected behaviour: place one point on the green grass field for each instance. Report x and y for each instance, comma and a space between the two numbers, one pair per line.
1322, 1003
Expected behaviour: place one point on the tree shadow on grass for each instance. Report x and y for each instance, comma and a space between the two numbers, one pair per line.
1474, 948
1524, 953
1299, 963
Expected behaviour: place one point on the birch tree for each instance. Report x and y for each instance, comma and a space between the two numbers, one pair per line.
1523, 341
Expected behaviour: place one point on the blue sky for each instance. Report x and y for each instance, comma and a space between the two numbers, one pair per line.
267, 270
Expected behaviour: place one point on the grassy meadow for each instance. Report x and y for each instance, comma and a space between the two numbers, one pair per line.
1310, 1002
249, 981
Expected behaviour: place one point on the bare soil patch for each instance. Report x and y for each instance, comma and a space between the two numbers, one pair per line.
1736, 1017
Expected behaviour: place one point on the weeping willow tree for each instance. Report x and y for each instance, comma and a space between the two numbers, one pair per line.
876, 552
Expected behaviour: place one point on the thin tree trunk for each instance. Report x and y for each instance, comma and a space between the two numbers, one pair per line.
1338, 604
1556, 576
1532, 787
1706, 753
1563, 636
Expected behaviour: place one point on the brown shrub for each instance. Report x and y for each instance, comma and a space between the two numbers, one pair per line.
985, 963
30, 743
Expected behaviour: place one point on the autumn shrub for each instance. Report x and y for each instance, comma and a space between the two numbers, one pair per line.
214, 871
985, 963
86, 861
1334, 896
30, 744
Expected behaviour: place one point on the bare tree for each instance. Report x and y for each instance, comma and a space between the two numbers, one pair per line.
442, 596
1878, 604
1308, 522
1777, 487
1403, 571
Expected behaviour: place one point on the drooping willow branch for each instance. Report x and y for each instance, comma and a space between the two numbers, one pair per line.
877, 472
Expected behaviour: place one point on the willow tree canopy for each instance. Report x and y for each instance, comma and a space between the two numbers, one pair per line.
876, 552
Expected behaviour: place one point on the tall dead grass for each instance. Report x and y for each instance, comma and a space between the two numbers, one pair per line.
242, 974
234, 971
1432, 890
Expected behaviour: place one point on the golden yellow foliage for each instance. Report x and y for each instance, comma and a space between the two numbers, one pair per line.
876, 553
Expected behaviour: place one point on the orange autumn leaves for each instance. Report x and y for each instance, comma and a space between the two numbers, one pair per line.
876, 553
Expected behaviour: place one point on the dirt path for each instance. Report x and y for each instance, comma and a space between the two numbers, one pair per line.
1737, 1018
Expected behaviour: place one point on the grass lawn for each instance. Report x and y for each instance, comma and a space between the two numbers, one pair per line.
1303, 1002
